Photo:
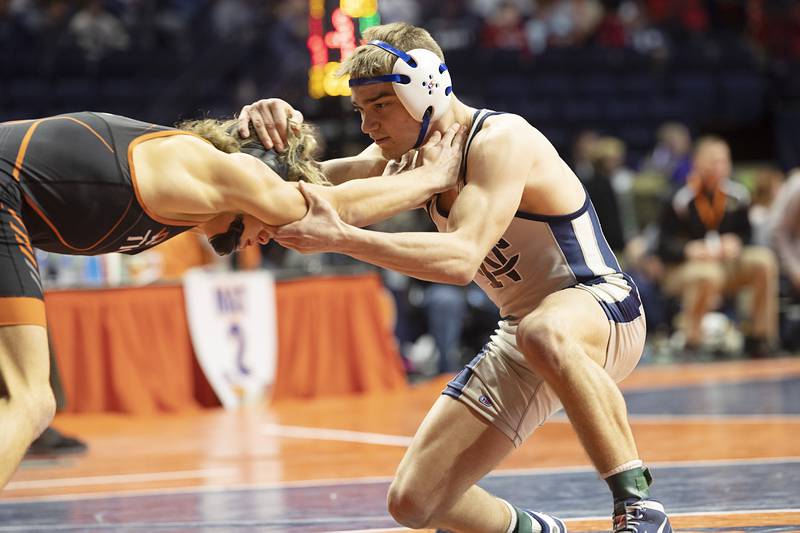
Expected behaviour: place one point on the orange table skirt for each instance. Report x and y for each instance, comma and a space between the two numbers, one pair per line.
128, 350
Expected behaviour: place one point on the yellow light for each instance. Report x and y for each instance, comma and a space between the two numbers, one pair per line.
352, 8
316, 8
359, 8
335, 85
316, 76
370, 8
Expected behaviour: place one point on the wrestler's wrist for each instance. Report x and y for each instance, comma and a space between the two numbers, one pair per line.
436, 182
346, 239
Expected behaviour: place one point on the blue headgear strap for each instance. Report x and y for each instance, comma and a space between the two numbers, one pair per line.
396, 78
426, 120
395, 51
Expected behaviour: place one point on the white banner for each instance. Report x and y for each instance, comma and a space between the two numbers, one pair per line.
233, 326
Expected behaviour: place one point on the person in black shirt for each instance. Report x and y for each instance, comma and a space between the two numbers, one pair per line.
705, 238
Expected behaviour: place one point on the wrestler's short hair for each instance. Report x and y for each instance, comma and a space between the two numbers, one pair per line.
369, 61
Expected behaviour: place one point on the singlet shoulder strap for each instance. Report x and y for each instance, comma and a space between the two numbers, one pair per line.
478, 119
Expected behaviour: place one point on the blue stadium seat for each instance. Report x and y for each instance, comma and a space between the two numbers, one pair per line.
545, 84
129, 97
598, 84
637, 136
640, 84
506, 85
77, 94
583, 110
29, 93
743, 96
624, 109
698, 92
663, 108
535, 111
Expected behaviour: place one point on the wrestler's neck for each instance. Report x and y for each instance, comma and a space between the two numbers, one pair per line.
458, 112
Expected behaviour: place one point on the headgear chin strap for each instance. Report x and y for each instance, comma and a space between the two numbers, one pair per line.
421, 82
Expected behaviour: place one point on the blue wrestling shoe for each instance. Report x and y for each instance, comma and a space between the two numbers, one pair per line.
548, 523
641, 516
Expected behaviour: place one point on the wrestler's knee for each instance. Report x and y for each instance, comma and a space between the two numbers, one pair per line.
34, 407
25, 378
542, 340
41, 408
410, 504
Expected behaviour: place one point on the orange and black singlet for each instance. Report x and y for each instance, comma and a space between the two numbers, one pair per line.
75, 176
67, 185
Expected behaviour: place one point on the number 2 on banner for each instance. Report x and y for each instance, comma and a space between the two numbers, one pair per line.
236, 332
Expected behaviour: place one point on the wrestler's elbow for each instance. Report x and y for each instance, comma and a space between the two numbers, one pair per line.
464, 268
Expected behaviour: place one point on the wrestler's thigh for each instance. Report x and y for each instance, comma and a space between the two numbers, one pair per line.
576, 315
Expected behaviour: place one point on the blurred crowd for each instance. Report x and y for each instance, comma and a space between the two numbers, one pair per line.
99, 27
625, 89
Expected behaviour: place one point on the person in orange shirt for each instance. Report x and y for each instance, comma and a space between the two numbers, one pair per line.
92, 183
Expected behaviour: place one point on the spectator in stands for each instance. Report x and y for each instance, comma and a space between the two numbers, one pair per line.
97, 31
233, 20
453, 25
647, 271
399, 11
784, 229
12, 26
705, 237
582, 148
628, 26
51, 26
671, 156
689, 17
504, 30
783, 232
567, 22
610, 191
766, 188
485, 8
780, 31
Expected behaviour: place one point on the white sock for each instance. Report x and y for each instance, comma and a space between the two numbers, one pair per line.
535, 526
513, 512
630, 465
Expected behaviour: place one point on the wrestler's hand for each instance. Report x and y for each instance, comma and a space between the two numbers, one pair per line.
270, 119
441, 156
407, 161
318, 231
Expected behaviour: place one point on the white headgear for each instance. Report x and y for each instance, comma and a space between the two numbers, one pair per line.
421, 82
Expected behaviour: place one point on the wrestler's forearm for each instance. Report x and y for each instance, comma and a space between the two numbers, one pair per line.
366, 201
367, 163
438, 257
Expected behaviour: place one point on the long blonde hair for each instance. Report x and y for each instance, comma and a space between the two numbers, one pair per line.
298, 155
